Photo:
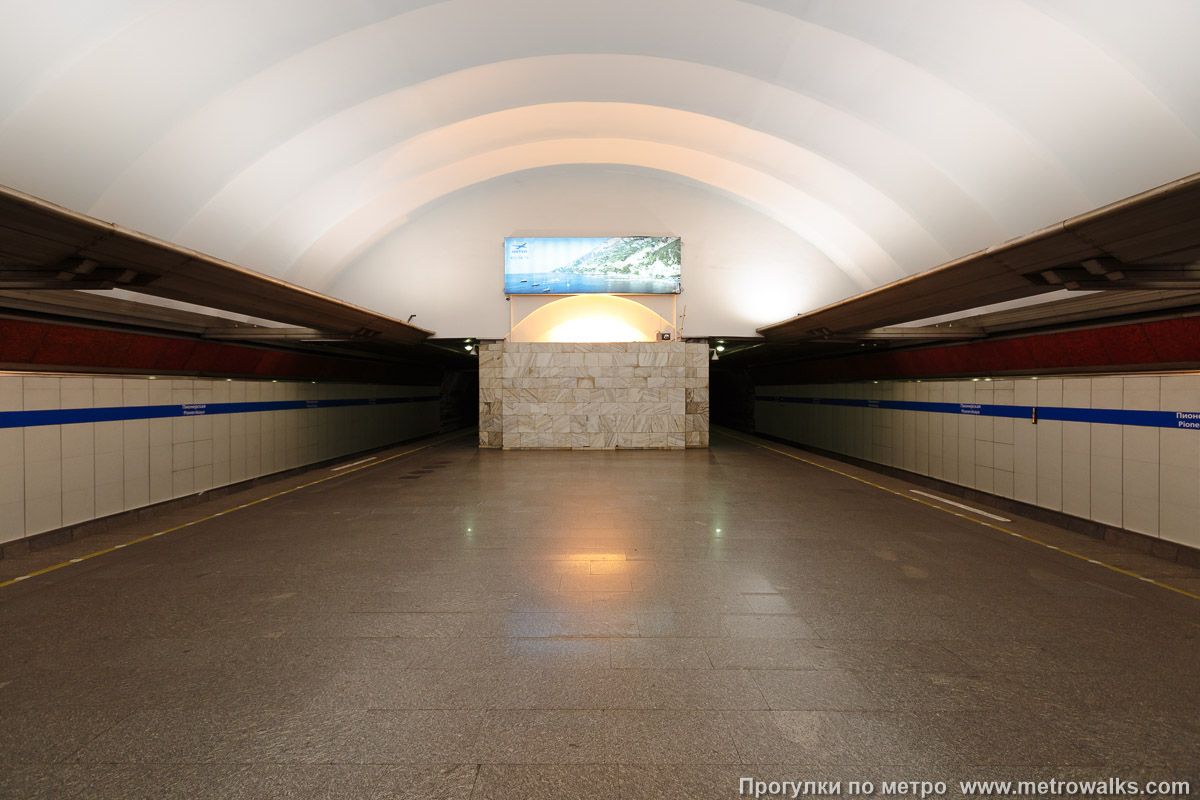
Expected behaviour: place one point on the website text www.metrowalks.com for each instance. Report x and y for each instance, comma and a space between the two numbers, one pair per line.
1108, 787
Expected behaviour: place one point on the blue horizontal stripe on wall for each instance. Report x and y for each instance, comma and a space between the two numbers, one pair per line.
68, 416
1107, 416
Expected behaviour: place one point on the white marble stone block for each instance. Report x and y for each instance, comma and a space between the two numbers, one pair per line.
593, 396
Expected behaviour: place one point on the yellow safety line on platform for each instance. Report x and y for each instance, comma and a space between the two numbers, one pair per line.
147, 537
1047, 545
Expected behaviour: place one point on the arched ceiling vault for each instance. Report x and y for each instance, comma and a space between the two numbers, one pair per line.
291, 135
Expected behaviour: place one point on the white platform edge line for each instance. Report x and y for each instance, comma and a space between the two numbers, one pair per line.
960, 505
354, 464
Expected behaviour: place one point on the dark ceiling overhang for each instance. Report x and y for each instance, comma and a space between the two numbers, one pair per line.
1148, 244
48, 253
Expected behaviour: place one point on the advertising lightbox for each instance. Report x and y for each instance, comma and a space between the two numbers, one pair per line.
576, 265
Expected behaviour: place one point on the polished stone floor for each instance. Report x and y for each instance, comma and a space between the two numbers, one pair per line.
458, 623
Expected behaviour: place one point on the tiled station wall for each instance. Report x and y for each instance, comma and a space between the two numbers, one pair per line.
165, 438
1123, 451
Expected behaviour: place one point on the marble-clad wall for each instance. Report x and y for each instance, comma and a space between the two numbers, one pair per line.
1102, 459
74, 448
593, 396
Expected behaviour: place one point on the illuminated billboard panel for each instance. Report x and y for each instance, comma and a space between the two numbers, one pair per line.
612, 265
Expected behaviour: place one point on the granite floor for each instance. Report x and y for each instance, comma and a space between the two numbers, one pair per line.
458, 623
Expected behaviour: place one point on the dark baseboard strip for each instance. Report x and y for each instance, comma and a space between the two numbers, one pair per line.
59, 536
1126, 539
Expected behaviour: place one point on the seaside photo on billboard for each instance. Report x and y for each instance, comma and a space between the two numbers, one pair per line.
596, 265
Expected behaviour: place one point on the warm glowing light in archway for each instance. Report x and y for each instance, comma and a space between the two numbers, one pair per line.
595, 329
591, 318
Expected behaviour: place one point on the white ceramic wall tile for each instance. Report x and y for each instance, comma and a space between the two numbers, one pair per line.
1140, 444
984, 454
1142, 393
182, 483
220, 473
107, 392
78, 505
937, 466
136, 459
181, 392
110, 476
1025, 392
1050, 392
966, 449
922, 442
1077, 393
78, 472
1108, 393
984, 479
202, 453
1140, 500
1140, 472
1077, 484
43, 514
12, 521
1179, 524
1049, 463
1180, 448
1004, 393
182, 456
1180, 393
1107, 479
950, 452
108, 437
75, 392
161, 486
135, 392
159, 392
182, 429
12, 394
1003, 483
160, 432
1077, 437
202, 478
985, 429
110, 498
43, 461
41, 394
78, 440
1002, 457
1025, 461
1107, 441
12, 484
42, 479
1002, 429
1180, 486
1077, 463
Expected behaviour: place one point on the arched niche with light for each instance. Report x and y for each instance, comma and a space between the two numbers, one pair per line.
591, 318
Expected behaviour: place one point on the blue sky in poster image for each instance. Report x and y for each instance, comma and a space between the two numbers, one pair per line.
536, 255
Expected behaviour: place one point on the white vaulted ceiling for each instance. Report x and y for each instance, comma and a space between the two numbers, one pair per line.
805, 151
